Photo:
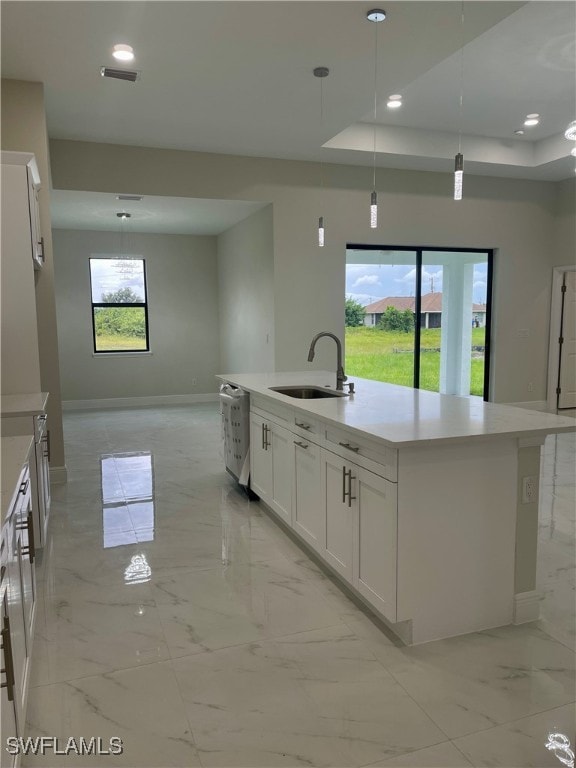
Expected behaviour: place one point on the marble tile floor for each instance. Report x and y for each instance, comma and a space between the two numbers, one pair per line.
175, 614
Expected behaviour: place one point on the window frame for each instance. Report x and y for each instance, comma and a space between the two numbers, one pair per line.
101, 304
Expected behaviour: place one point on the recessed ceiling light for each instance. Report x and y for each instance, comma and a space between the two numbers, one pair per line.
123, 52
519, 132
570, 132
532, 119
377, 14
394, 101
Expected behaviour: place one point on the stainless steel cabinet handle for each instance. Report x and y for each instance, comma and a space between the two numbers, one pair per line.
266, 441
343, 484
30, 550
8, 659
350, 447
350, 478
48, 445
302, 445
263, 439
24, 486
302, 425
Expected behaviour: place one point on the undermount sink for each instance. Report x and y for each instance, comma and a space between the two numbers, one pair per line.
308, 392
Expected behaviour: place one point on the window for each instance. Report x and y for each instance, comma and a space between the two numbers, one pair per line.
426, 317
119, 306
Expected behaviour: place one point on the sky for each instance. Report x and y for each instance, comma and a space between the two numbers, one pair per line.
111, 274
369, 282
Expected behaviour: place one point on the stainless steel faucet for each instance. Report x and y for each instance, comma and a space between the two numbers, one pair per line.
340, 375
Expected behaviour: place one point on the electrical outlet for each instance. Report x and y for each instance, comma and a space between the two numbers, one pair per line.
530, 387
194, 382
529, 489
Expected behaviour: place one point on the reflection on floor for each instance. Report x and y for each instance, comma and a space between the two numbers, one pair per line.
175, 615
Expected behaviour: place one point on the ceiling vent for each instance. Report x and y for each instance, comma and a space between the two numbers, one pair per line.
134, 198
120, 74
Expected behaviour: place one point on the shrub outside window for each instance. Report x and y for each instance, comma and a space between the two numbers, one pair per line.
119, 305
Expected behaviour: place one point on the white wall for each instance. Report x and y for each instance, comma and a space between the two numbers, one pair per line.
246, 295
181, 274
518, 218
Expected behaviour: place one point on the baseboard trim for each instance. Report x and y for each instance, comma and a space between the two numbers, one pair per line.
532, 405
526, 607
137, 402
58, 475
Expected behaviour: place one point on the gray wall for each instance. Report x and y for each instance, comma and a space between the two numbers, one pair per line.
181, 273
518, 218
246, 295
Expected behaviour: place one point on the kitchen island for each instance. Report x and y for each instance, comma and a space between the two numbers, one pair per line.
424, 505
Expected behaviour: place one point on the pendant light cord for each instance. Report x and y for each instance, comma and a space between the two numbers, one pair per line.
375, 101
321, 129
461, 76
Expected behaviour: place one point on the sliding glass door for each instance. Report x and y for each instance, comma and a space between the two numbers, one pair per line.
426, 317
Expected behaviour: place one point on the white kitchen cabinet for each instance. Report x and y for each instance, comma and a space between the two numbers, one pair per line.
17, 585
7, 699
308, 512
361, 530
375, 570
22, 415
271, 464
260, 458
339, 512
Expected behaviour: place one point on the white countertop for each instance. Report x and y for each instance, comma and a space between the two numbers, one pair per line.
402, 416
23, 405
14, 453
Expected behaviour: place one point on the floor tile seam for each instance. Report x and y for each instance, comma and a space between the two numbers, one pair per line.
561, 642
106, 672
418, 704
377, 763
260, 641
510, 722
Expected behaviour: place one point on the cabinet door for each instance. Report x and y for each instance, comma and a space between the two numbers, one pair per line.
16, 617
282, 470
340, 514
309, 512
42, 490
8, 693
260, 457
375, 576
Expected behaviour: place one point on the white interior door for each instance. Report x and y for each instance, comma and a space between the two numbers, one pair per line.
567, 365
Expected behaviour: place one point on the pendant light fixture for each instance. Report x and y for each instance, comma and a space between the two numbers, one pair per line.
459, 159
321, 73
375, 15
125, 263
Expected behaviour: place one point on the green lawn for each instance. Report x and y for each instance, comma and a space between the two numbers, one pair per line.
116, 343
388, 356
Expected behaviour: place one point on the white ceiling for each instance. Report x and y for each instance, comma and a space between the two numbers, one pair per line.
236, 77
163, 215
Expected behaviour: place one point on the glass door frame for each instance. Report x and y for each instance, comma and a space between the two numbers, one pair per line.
419, 250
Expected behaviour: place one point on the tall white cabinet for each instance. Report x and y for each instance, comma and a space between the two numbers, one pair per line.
22, 252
